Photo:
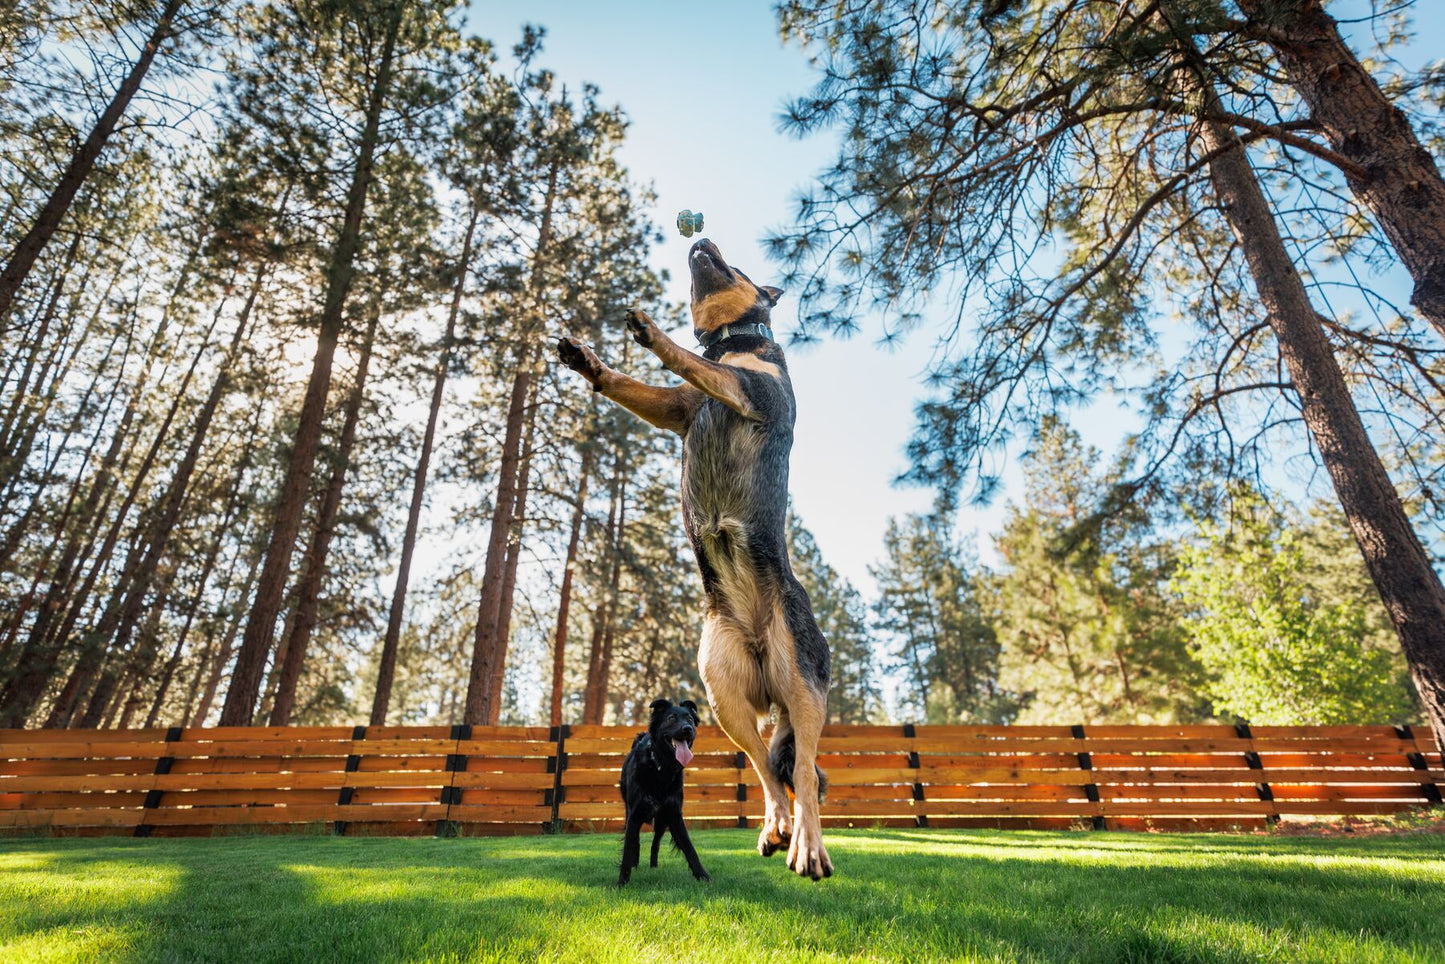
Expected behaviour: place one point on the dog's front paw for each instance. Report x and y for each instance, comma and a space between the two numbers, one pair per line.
703, 876
807, 857
644, 332
580, 359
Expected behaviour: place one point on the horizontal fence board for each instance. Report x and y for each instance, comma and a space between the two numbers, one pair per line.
481, 780
69, 801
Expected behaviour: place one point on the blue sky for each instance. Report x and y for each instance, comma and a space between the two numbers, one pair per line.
703, 85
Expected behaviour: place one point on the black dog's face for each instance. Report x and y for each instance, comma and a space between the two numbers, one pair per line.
723, 295
674, 728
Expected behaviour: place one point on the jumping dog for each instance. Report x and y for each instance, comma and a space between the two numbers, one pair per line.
761, 647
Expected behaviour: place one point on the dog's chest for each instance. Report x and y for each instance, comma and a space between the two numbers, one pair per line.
720, 464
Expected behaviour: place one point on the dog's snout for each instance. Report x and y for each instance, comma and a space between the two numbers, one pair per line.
689, 734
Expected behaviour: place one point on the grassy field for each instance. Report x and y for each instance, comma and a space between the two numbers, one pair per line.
899, 895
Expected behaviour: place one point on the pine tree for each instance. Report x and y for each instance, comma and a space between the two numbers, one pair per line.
1124, 135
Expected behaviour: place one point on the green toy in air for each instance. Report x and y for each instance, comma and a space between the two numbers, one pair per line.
689, 223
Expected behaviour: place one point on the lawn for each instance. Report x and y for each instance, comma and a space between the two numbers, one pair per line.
898, 895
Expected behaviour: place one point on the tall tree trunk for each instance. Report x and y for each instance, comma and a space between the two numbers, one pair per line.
21, 527
594, 661
245, 685
564, 595
386, 669
228, 644
16, 448
92, 647
168, 671
314, 566
140, 668
21, 392
1393, 174
132, 594
509, 570
485, 660
228, 517
38, 656
609, 631
479, 684
593, 693
22, 259
1398, 563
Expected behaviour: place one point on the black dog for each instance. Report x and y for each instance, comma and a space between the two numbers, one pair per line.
652, 785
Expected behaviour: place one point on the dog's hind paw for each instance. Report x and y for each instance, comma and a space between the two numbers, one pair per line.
775, 835
807, 857
777, 830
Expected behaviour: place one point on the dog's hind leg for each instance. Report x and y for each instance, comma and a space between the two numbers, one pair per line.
658, 829
733, 678
806, 700
806, 854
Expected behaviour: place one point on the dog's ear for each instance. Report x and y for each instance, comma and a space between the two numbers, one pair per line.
660, 707
691, 707
771, 293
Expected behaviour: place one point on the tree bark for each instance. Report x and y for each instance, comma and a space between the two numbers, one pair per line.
228, 517
141, 666
132, 595
595, 691
609, 630
18, 531
476, 709
386, 669
314, 567
22, 259
223, 655
485, 655
564, 595
1393, 174
38, 656
1398, 563
21, 392
240, 705
509, 571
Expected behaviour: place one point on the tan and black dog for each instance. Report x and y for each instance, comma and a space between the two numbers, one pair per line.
761, 647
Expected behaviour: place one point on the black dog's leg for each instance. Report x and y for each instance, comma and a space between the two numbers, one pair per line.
658, 829
684, 843
631, 846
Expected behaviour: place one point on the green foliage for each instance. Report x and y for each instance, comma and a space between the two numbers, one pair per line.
929, 604
1087, 631
1280, 643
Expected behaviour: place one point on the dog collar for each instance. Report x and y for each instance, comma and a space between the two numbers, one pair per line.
732, 331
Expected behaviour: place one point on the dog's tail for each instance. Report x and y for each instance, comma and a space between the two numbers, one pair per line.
783, 757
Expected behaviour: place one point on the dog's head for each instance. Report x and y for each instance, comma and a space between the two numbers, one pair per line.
673, 729
723, 295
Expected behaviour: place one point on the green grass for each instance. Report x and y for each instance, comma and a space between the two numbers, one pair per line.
899, 895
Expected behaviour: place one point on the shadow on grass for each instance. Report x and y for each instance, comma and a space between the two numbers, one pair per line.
899, 895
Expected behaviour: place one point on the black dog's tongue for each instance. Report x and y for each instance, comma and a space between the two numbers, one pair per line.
682, 751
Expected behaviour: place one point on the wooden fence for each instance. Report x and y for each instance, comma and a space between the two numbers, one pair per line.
508, 780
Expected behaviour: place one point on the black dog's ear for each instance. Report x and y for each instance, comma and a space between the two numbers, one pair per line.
771, 293
691, 707
660, 707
